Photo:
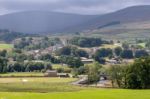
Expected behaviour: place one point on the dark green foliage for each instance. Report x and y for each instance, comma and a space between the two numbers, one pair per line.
73, 51
30, 44
103, 52
9, 36
135, 76
100, 60
48, 57
17, 67
86, 42
73, 62
28, 67
125, 45
65, 51
118, 51
117, 75
93, 73
37, 66
80, 53
141, 53
3, 65
127, 54
138, 75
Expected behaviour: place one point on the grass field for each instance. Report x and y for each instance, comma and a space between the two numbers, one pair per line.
142, 44
60, 88
6, 46
22, 74
37, 85
84, 94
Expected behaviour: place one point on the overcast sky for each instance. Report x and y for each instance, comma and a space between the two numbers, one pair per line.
69, 6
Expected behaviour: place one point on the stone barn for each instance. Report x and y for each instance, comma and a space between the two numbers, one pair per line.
51, 73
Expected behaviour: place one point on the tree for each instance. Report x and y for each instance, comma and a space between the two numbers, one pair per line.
100, 54
118, 51
81, 53
125, 45
73, 51
128, 54
141, 53
86, 42
73, 62
93, 73
138, 74
134, 76
3, 53
100, 60
18, 67
117, 74
65, 51
3, 65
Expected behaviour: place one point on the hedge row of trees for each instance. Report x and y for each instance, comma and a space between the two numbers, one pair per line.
87, 42
24, 67
29, 43
135, 76
119, 52
73, 51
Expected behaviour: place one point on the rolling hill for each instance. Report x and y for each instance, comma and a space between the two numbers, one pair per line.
136, 17
41, 21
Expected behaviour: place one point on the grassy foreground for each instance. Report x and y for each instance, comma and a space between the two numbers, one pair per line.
60, 88
85, 94
37, 84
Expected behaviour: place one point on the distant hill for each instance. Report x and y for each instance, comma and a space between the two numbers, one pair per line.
55, 22
41, 21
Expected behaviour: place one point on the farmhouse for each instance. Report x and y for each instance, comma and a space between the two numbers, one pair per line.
51, 73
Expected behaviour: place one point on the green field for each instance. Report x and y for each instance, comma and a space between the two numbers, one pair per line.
84, 94
22, 74
37, 84
6, 46
61, 88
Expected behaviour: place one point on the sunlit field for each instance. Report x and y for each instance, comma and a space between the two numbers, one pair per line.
61, 88
84, 94
6, 46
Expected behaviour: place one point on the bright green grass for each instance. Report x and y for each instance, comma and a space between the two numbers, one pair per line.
6, 46
37, 85
22, 74
142, 44
84, 94
56, 66
60, 88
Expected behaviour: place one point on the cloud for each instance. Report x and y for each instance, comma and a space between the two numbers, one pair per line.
70, 6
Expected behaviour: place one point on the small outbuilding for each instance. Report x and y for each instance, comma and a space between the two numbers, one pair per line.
51, 73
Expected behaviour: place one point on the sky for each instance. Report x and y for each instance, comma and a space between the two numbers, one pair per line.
87, 7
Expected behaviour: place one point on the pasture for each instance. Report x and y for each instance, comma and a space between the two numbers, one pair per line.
6, 46
22, 74
61, 88
84, 94
37, 84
